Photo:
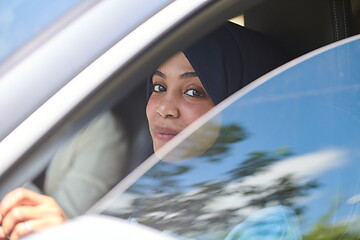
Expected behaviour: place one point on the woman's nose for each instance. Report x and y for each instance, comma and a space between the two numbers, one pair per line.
168, 108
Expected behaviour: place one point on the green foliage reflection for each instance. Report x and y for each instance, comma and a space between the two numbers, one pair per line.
167, 198
228, 134
323, 229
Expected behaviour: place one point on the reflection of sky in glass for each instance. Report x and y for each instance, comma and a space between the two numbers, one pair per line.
311, 111
21, 20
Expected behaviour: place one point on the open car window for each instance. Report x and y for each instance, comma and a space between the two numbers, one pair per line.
277, 159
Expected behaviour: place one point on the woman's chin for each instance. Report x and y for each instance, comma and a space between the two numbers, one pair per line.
157, 145
194, 145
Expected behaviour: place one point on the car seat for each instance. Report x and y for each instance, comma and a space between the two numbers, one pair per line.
301, 26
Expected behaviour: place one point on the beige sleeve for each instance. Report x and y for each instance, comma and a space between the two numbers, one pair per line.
87, 166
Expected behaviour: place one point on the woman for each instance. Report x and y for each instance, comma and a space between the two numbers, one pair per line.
179, 92
207, 72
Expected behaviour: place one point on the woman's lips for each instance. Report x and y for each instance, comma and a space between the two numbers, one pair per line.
164, 133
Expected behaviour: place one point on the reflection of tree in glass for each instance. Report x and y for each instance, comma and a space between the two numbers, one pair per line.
228, 134
285, 190
161, 178
258, 161
166, 173
211, 208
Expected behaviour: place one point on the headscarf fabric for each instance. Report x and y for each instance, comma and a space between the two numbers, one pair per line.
229, 58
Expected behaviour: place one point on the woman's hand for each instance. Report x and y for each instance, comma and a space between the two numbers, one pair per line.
23, 211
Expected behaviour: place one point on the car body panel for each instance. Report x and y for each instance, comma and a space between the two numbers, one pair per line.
100, 227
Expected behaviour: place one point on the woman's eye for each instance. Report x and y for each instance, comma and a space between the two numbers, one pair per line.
158, 88
194, 93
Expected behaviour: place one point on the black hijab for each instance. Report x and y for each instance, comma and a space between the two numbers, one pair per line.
229, 58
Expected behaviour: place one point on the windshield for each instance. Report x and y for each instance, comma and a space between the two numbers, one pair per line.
279, 162
21, 20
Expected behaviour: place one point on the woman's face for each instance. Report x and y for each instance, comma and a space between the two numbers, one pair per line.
178, 98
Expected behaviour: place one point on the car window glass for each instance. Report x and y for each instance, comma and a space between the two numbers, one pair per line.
280, 162
21, 20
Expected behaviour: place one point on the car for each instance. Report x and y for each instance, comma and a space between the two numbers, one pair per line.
280, 160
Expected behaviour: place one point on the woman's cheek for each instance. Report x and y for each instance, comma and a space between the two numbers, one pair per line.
150, 108
195, 111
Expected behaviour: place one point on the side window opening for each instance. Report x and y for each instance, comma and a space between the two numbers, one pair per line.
96, 157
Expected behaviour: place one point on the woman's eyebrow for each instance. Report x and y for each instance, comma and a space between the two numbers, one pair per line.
160, 74
182, 76
188, 75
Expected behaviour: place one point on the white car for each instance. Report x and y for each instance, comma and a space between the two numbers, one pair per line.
285, 161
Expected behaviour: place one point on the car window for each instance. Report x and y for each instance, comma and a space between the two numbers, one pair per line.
22, 20
277, 160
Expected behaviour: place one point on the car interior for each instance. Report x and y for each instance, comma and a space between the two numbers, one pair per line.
302, 26
297, 26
